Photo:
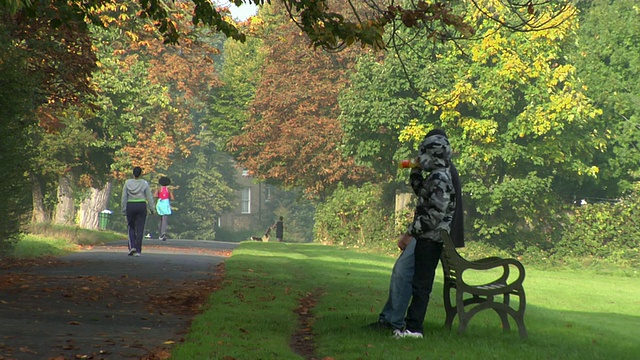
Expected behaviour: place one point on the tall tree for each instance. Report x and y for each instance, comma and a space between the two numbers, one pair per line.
62, 59
204, 191
151, 94
608, 61
17, 90
240, 74
523, 131
293, 134
523, 128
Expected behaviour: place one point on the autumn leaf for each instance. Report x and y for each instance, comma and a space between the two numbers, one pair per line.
27, 350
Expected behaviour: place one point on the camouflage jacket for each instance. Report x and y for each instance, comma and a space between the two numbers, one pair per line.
436, 203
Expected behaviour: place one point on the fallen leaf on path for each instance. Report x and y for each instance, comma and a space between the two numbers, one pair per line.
27, 350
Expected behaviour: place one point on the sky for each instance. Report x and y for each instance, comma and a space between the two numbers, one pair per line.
239, 13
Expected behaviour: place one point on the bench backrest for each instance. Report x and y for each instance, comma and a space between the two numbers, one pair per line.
450, 258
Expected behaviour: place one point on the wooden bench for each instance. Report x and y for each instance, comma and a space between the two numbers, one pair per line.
471, 299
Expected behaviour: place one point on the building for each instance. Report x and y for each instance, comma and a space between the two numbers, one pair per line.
252, 211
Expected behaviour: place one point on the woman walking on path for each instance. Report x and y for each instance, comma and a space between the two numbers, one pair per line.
163, 206
136, 202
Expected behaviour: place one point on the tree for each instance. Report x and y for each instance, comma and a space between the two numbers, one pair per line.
607, 57
61, 60
17, 89
380, 102
151, 94
240, 74
204, 191
293, 134
523, 131
146, 95
335, 25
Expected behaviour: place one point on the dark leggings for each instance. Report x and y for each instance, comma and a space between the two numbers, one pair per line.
427, 255
136, 217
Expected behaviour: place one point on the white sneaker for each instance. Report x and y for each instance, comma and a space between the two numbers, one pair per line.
132, 251
138, 254
399, 334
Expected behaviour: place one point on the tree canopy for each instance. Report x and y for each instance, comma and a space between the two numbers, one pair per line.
332, 26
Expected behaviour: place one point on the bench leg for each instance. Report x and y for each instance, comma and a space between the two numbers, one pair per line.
450, 310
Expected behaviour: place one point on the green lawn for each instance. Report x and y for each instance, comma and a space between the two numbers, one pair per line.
570, 314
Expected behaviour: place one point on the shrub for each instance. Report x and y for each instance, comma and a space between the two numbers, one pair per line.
356, 217
604, 231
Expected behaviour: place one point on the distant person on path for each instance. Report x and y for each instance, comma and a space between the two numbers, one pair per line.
163, 206
136, 202
279, 227
400, 287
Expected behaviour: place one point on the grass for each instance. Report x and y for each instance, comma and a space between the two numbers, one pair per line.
54, 240
570, 314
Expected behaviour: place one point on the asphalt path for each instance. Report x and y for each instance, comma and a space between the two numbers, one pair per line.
100, 303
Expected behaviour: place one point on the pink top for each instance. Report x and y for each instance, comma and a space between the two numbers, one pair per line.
163, 194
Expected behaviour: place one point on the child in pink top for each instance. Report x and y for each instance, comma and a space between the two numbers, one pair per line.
163, 206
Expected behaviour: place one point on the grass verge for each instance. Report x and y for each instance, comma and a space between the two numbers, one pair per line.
54, 240
255, 314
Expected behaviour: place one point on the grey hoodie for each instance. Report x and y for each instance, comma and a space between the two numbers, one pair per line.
137, 190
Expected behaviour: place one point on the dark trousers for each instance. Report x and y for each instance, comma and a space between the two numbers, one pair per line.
427, 255
136, 217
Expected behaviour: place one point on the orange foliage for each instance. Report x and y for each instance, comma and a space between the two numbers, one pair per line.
188, 72
293, 135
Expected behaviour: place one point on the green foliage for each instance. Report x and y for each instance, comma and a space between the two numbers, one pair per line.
523, 133
298, 213
127, 102
607, 58
204, 190
18, 90
375, 108
604, 231
229, 103
355, 217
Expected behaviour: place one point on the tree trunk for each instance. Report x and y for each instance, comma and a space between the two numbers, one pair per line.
91, 207
39, 214
403, 208
65, 209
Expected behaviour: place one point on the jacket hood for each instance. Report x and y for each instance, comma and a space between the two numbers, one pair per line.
435, 152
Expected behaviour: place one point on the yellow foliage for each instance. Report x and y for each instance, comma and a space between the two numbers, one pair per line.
413, 132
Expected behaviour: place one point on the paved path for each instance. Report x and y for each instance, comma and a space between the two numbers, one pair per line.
100, 303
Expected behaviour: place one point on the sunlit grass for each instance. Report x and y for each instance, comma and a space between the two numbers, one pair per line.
54, 240
31, 246
570, 314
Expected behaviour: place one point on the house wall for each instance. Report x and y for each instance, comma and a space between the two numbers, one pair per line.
237, 220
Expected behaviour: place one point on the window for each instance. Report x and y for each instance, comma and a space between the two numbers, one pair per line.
267, 193
246, 200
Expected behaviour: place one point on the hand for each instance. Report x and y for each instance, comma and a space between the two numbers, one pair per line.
404, 240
